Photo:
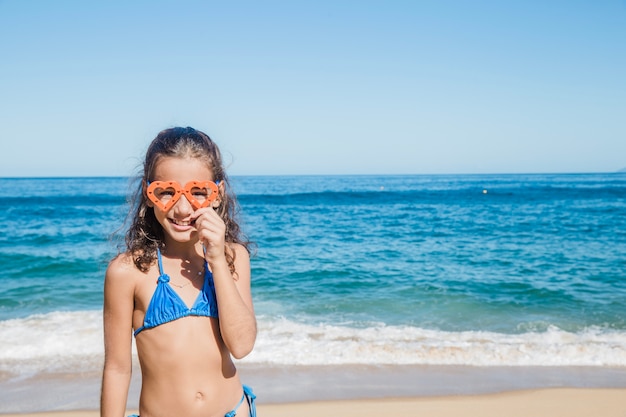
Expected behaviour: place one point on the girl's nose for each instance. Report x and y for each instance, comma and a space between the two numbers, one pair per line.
183, 206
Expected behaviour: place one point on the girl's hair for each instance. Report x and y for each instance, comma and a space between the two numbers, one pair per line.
145, 233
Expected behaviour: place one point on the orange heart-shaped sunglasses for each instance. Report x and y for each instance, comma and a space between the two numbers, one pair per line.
164, 194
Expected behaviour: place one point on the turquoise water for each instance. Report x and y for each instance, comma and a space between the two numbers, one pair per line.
459, 269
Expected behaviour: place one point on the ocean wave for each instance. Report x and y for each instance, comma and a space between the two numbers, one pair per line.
53, 342
288, 342
72, 342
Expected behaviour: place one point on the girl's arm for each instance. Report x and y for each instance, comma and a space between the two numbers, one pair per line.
234, 298
234, 303
117, 317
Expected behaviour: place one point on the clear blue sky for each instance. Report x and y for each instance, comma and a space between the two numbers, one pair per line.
320, 87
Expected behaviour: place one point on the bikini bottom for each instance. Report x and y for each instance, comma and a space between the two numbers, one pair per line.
248, 395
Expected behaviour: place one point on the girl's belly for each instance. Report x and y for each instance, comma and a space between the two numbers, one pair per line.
186, 370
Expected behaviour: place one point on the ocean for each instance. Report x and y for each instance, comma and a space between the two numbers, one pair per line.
487, 270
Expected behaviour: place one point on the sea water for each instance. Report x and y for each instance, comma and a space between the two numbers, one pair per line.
493, 270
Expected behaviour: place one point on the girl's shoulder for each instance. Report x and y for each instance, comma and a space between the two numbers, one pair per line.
122, 260
239, 261
239, 252
122, 267
238, 248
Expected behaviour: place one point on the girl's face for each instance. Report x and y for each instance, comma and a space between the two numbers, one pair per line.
178, 221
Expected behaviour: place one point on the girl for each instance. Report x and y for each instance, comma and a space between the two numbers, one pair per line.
183, 285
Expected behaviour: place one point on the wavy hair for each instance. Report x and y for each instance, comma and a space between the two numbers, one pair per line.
145, 234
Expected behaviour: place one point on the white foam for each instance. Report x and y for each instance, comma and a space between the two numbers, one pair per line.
51, 334
73, 341
54, 342
288, 342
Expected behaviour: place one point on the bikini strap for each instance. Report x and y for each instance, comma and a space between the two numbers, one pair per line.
233, 413
249, 396
163, 277
160, 261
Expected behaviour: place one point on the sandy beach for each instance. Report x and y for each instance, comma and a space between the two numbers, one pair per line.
566, 402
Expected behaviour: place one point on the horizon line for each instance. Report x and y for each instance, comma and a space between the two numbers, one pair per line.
621, 171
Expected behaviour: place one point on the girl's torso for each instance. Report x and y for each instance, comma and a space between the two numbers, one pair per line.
186, 368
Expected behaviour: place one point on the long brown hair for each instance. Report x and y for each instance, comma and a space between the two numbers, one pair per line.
145, 234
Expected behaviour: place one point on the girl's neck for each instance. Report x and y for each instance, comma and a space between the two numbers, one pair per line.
187, 250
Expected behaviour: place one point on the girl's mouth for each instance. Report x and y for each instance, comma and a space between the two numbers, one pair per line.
182, 223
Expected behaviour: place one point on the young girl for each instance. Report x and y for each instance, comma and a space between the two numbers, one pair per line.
183, 285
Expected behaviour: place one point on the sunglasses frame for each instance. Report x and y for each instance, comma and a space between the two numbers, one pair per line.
179, 191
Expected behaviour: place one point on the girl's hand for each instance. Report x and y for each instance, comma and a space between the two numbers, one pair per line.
211, 233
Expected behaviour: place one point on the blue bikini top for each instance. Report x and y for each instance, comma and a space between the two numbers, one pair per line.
166, 305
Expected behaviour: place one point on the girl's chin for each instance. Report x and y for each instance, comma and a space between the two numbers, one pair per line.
183, 235
181, 240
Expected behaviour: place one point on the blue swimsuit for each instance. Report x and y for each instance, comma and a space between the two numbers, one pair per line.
166, 305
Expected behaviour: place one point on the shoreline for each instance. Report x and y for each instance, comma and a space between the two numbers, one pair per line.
280, 387
553, 402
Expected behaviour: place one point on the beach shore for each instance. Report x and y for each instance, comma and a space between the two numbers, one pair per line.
366, 391
554, 402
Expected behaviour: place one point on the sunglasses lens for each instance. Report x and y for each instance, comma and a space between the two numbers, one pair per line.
201, 195
164, 194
